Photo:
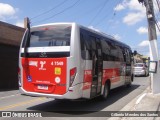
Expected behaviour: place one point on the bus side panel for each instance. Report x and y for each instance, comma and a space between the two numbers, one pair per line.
44, 75
114, 72
87, 79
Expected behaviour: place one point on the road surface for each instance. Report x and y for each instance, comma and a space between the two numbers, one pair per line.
118, 98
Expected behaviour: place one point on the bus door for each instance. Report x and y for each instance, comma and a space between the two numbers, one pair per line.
128, 66
97, 67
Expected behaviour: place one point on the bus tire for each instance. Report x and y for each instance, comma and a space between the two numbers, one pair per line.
132, 77
130, 83
106, 90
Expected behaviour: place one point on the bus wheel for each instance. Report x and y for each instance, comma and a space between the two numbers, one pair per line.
105, 91
130, 83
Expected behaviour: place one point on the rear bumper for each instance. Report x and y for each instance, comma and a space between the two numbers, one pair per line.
139, 73
74, 92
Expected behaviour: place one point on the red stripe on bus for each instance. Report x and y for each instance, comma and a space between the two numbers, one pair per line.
112, 74
87, 79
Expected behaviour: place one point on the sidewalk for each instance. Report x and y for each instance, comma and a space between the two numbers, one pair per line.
144, 102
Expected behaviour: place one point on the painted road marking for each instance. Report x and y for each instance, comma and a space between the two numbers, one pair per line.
9, 96
140, 98
22, 103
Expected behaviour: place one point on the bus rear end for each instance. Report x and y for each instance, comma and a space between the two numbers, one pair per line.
46, 64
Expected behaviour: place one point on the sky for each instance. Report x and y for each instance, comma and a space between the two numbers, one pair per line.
124, 19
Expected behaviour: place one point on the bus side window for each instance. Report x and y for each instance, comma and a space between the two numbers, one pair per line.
128, 57
124, 54
99, 48
85, 48
93, 42
82, 42
113, 52
120, 54
105, 50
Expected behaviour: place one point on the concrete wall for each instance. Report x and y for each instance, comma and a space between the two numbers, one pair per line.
10, 38
10, 34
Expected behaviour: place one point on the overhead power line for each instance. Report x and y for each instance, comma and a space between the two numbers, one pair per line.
108, 14
157, 24
87, 12
158, 4
58, 12
64, 1
99, 11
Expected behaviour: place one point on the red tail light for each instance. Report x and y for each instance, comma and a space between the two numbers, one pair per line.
73, 72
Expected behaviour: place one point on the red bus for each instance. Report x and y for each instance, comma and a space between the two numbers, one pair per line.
70, 61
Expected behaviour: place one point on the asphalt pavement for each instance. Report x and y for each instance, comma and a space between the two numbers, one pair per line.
144, 106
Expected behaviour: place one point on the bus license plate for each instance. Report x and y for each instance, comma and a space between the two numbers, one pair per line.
42, 87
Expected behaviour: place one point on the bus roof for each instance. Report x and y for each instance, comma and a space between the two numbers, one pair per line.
88, 29
59, 23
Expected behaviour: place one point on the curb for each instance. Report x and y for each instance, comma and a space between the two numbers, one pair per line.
131, 106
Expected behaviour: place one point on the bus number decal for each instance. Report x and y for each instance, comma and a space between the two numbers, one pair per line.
57, 63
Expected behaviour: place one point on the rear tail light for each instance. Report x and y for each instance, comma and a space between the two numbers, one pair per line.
73, 72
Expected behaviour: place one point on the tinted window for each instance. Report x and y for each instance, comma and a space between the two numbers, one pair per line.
111, 51
120, 53
128, 56
114, 52
58, 35
86, 51
93, 42
105, 50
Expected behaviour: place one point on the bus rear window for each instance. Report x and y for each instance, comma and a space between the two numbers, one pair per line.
57, 35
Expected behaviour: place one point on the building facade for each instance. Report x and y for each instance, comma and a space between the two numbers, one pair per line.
10, 38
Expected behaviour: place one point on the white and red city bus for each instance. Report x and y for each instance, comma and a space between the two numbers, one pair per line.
70, 61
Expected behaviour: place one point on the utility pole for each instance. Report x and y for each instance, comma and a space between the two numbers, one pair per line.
26, 22
154, 56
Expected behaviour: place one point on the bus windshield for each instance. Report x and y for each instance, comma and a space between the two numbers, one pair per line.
57, 35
